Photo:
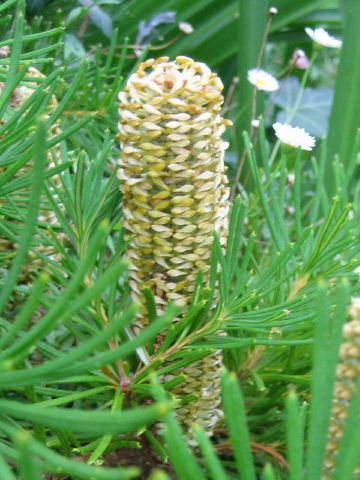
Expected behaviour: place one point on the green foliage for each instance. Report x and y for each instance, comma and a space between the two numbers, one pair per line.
345, 119
79, 395
252, 21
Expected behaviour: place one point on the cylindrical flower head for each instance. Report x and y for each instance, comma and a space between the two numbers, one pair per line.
172, 174
174, 189
19, 96
347, 373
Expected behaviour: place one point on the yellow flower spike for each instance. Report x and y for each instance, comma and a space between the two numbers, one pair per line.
179, 174
347, 373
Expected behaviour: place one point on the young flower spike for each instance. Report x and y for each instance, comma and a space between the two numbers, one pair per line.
347, 373
19, 96
174, 196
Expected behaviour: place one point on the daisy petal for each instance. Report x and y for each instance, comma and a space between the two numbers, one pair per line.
321, 37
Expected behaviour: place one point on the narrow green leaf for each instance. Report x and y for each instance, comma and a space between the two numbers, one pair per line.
68, 95
211, 460
182, 458
69, 131
65, 399
158, 447
297, 194
352, 162
40, 51
150, 303
237, 217
5, 470
345, 115
244, 266
106, 439
322, 235
25, 180
295, 443
260, 188
250, 30
79, 180
6, 5
325, 355
268, 472
91, 422
28, 468
224, 273
235, 418
15, 57
34, 36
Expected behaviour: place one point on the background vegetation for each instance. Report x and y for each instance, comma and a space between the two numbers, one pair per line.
77, 400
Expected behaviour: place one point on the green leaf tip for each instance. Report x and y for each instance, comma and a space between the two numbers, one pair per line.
104, 224
292, 394
44, 277
158, 475
22, 437
322, 284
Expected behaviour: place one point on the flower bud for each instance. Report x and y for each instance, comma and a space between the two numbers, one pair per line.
186, 27
300, 59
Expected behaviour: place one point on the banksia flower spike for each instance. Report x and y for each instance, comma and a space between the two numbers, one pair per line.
347, 373
19, 96
174, 196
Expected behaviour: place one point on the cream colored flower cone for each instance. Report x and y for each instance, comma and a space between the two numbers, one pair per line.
174, 196
19, 96
347, 373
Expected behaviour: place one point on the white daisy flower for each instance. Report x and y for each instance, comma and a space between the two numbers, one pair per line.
321, 36
294, 136
262, 80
